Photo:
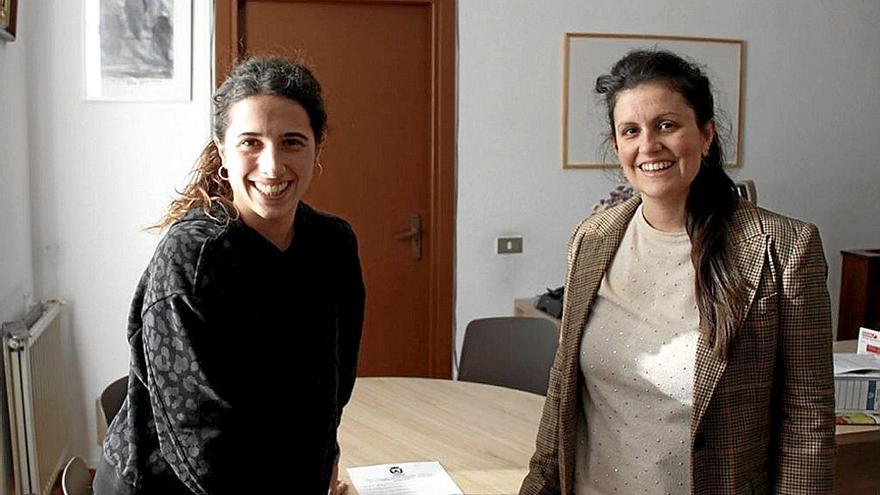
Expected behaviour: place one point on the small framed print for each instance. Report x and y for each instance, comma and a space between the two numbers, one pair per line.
138, 51
746, 190
8, 11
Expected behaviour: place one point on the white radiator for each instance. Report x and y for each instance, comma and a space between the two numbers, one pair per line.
35, 389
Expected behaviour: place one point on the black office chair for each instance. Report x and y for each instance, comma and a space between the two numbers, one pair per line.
109, 404
514, 352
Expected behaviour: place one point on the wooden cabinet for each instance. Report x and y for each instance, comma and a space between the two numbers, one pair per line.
859, 292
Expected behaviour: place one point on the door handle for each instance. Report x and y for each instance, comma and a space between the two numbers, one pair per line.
414, 234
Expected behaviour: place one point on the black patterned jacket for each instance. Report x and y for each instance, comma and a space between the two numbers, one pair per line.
242, 358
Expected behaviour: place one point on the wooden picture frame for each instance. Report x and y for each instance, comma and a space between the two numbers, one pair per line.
588, 55
8, 15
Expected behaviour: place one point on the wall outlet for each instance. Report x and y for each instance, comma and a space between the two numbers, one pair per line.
510, 245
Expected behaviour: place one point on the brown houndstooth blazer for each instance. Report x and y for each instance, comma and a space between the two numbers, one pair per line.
763, 418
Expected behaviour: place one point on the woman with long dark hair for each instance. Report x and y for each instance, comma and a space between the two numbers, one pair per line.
695, 349
244, 329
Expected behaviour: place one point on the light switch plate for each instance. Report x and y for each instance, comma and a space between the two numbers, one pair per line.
510, 245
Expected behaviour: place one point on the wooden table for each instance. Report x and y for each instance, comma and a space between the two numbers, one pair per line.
482, 435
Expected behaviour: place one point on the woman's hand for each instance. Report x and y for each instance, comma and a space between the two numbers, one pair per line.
337, 486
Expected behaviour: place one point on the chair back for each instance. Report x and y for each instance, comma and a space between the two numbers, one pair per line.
76, 478
112, 398
514, 352
109, 404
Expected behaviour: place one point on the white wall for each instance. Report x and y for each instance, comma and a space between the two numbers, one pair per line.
16, 276
811, 124
101, 172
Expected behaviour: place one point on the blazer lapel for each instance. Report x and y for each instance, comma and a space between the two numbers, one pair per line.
581, 288
749, 245
593, 251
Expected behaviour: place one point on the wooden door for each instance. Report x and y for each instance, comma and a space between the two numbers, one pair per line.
387, 69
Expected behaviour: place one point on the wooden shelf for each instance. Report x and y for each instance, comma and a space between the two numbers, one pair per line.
859, 292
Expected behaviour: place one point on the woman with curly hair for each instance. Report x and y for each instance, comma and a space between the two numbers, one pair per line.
248, 316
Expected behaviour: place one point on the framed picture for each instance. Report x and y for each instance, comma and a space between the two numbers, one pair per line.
8, 11
746, 190
585, 126
138, 51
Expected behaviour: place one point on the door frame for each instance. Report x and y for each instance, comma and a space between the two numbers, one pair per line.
229, 44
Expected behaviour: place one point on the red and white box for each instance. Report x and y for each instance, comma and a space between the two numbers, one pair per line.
869, 342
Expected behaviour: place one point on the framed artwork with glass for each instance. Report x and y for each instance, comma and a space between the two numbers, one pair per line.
588, 55
8, 11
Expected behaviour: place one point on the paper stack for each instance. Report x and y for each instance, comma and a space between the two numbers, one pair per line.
857, 376
407, 478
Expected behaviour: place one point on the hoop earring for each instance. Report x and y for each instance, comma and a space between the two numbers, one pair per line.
320, 168
220, 173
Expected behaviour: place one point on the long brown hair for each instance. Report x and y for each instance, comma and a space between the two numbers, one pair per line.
711, 199
254, 76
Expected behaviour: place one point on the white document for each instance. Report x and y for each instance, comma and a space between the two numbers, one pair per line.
863, 365
869, 341
408, 478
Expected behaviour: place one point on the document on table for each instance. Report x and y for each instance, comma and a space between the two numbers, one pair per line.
848, 364
408, 478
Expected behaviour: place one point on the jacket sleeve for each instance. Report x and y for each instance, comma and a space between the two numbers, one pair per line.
350, 321
192, 413
543, 475
806, 445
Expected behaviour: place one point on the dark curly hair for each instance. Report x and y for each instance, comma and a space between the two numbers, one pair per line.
255, 76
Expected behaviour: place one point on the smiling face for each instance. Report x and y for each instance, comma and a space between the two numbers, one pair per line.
269, 151
659, 143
